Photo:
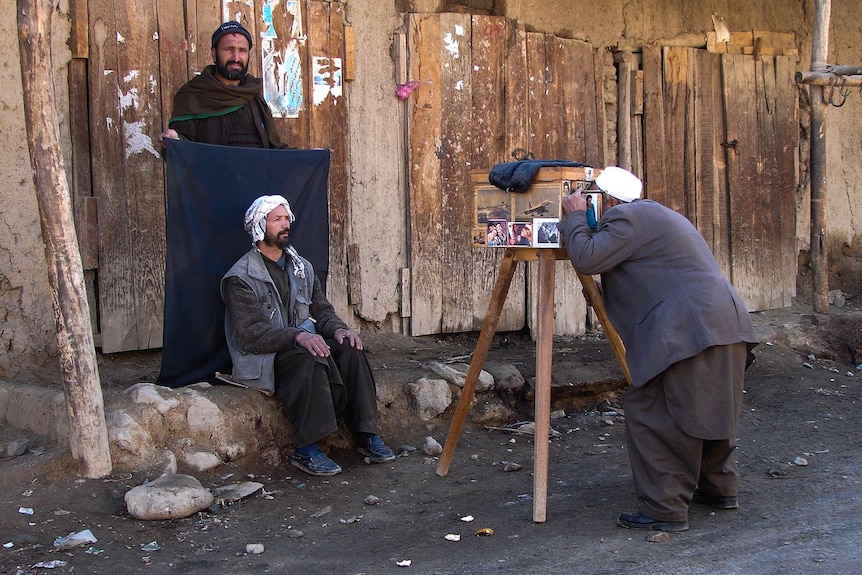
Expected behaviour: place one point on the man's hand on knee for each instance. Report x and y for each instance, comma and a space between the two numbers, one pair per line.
313, 343
341, 334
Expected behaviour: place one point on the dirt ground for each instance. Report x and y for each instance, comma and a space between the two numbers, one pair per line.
801, 405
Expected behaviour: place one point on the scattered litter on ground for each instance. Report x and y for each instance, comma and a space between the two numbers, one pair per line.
511, 466
50, 564
73, 540
322, 512
522, 428
660, 537
349, 520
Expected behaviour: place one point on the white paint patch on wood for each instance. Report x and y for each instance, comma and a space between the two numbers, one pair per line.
136, 141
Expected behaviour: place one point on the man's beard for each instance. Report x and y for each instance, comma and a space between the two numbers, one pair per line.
281, 241
224, 72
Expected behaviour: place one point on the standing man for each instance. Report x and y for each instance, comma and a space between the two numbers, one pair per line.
685, 330
285, 339
224, 104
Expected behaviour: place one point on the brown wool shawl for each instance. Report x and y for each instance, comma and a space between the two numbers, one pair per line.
204, 96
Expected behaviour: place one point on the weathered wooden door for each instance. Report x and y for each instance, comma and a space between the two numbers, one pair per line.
487, 87
720, 138
140, 52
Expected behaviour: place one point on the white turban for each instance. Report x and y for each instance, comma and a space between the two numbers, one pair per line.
620, 183
255, 215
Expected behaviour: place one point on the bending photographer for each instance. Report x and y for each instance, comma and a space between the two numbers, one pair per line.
685, 329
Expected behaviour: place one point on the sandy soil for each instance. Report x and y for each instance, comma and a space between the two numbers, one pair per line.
793, 518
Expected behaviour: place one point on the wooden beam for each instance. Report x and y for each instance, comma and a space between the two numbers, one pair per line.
88, 432
79, 39
349, 65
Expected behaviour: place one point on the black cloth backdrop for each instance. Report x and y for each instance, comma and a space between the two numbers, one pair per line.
209, 189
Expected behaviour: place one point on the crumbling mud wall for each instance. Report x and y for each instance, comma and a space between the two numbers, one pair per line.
27, 329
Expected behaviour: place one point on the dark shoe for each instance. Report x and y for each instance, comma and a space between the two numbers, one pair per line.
717, 501
638, 521
315, 463
375, 450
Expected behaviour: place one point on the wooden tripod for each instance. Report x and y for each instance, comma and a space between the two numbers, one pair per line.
544, 350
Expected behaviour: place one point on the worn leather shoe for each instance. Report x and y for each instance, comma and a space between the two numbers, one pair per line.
638, 521
375, 450
315, 463
717, 501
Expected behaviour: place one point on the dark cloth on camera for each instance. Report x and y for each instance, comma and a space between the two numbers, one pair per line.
519, 176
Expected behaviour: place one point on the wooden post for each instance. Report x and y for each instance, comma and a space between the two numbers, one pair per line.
88, 433
819, 55
624, 110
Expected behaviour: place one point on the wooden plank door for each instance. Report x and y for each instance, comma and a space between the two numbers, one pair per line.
719, 145
565, 121
128, 175
453, 130
498, 63
487, 88
759, 106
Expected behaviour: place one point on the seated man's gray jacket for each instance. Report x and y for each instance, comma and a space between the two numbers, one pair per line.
257, 324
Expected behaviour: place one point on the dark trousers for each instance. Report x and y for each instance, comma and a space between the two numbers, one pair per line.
681, 431
317, 391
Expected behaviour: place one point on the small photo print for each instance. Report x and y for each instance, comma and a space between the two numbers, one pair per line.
521, 234
496, 233
479, 236
547, 235
581, 185
594, 209
541, 201
492, 203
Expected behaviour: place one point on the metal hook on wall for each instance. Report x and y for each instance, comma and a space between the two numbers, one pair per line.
843, 91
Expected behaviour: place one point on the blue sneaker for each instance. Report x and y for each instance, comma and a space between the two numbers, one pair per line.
315, 463
375, 450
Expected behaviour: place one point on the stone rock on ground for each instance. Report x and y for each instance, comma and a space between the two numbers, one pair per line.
168, 497
14, 448
456, 373
428, 398
507, 378
199, 426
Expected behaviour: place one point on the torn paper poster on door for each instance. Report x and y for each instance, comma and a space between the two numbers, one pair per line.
282, 78
327, 78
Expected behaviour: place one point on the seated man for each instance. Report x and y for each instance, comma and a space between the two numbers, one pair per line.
285, 339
